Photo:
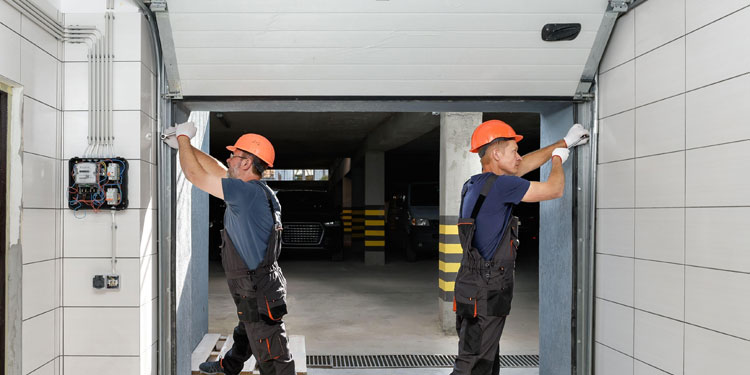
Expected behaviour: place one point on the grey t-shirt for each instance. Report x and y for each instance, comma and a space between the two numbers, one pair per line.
248, 219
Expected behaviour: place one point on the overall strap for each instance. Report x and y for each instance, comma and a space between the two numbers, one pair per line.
276, 215
483, 195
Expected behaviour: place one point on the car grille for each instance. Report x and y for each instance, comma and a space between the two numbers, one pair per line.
302, 234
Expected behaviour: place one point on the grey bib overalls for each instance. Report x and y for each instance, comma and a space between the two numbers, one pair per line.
260, 297
483, 294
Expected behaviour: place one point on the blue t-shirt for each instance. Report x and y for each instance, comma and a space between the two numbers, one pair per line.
496, 210
248, 219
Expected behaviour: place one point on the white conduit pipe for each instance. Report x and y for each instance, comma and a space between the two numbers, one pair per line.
100, 69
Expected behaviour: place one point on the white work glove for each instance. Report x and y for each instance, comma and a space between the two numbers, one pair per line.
562, 153
187, 129
576, 136
169, 137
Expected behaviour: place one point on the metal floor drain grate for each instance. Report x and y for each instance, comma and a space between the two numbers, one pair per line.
408, 361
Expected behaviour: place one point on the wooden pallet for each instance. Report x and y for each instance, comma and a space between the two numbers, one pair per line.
214, 345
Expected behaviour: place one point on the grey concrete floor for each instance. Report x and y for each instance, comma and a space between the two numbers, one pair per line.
350, 308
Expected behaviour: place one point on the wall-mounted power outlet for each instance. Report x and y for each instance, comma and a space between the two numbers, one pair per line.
113, 281
99, 281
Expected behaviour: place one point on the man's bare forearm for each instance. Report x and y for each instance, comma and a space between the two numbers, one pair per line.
534, 160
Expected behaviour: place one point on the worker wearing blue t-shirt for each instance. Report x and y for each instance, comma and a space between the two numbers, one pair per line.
251, 243
489, 236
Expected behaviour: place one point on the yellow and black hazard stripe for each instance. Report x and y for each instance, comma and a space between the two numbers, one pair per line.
374, 228
450, 256
358, 223
346, 222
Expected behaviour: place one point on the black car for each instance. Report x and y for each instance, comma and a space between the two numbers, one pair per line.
310, 222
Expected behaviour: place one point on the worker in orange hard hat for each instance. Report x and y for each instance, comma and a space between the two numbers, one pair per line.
488, 233
251, 243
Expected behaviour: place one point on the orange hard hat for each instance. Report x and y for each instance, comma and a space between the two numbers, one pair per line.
257, 145
490, 130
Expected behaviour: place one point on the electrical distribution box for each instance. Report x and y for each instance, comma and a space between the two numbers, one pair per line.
98, 184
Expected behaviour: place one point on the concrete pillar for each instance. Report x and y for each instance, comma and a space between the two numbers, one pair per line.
374, 208
457, 164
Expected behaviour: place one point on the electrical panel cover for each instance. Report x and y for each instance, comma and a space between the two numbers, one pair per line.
98, 184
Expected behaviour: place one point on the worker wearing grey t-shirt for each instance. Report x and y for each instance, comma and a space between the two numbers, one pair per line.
251, 242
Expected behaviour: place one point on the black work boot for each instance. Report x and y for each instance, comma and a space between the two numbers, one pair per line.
212, 368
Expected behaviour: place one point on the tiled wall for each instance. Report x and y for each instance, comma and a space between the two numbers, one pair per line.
673, 258
68, 327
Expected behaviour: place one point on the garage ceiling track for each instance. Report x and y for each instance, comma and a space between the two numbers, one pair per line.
380, 48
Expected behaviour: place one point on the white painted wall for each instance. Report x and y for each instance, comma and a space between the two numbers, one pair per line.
67, 326
673, 266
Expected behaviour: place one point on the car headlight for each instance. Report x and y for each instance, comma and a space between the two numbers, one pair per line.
420, 222
334, 223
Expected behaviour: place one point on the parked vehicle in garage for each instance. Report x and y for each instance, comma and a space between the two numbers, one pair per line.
414, 219
310, 221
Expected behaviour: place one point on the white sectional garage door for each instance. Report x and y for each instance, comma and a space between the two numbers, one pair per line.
380, 48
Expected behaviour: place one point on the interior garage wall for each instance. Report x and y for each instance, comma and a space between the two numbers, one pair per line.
64, 325
673, 270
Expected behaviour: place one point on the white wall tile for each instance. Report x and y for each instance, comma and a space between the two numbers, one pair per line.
614, 278
10, 17
708, 352
148, 279
39, 74
148, 90
39, 122
660, 288
149, 140
718, 51
611, 362
615, 232
78, 289
617, 137
621, 45
86, 6
50, 368
10, 62
141, 185
39, 37
39, 286
616, 185
38, 247
132, 137
717, 175
148, 330
660, 73
37, 348
147, 45
657, 23
126, 90
617, 90
698, 13
659, 341
718, 300
101, 365
718, 113
660, 127
40, 176
75, 90
614, 326
97, 334
717, 238
660, 234
660, 180
83, 238
149, 358
127, 36
645, 369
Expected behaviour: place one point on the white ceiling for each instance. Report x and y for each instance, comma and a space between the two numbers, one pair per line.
380, 48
